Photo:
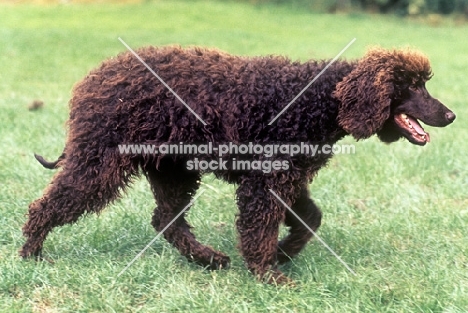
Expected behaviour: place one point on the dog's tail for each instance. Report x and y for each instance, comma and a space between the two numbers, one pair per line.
47, 164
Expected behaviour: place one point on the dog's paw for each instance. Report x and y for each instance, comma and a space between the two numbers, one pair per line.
215, 261
27, 253
276, 277
219, 261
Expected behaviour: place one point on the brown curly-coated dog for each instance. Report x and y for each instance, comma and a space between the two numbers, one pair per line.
121, 102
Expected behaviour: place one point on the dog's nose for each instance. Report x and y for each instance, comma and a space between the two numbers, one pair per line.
450, 116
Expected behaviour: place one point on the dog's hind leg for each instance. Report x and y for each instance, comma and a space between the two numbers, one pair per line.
173, 188
299, 235
82, 186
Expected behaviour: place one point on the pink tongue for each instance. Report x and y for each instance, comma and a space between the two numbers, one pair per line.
416, 126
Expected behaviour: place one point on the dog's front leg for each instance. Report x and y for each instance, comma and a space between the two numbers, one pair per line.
258, 224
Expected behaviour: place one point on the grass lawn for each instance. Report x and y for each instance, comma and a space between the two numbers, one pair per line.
397, 214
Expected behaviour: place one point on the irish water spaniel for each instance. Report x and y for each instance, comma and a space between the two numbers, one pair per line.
122, 102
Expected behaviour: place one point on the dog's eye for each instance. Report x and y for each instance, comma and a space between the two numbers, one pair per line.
413, 88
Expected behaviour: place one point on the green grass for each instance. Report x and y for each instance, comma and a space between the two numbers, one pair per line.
397, 214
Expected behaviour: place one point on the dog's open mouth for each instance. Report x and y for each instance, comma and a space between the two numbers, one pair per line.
411, 129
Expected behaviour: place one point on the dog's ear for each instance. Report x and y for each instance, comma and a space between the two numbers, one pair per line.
365, 95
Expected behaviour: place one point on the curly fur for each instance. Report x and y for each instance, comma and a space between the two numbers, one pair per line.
384, 71
122, 102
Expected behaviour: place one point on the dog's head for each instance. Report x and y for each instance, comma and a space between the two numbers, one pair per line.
385, 94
